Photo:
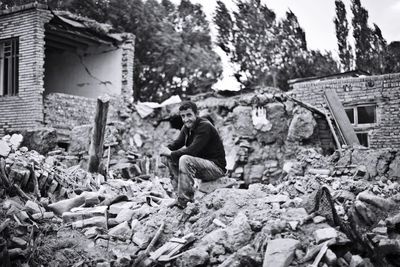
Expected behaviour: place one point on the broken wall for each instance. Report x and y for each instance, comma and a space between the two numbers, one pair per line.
255, 151
64, 112
381, 91
25, 110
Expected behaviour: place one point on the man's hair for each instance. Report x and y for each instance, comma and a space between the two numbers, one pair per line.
188, 105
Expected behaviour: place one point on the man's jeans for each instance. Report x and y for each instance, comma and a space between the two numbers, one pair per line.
186, 170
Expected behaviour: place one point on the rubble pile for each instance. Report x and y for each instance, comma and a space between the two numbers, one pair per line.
285, 201
127, 221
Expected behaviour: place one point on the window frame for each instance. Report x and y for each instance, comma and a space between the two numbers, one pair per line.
11, 86
356, 118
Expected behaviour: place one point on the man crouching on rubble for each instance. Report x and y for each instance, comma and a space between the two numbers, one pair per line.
198, 152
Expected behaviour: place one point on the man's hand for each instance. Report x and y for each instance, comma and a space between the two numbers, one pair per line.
165, 151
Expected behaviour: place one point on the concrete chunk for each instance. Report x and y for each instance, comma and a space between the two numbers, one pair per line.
84, 213
324, 234
66, 205
280, 252
121, 230
33, 208
4, 149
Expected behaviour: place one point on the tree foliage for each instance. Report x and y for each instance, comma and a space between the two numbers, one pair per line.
362, 35
342, 33
266, 51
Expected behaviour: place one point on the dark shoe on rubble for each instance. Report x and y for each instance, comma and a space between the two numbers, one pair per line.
178, 203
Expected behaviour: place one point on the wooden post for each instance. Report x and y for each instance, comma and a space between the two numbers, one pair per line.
99, 127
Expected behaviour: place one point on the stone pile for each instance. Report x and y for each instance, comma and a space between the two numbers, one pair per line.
267, 224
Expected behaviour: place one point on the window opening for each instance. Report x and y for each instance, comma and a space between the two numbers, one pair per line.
9, 57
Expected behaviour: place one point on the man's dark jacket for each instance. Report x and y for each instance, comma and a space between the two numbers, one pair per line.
201, 141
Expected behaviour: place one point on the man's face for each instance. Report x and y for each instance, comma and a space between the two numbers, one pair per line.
188, 117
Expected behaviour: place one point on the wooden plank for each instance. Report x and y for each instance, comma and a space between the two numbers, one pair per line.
97, 141
340, 117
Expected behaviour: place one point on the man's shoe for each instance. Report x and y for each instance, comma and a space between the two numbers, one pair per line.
177, 203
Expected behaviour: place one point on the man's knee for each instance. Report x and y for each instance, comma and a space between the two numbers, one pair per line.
184, 161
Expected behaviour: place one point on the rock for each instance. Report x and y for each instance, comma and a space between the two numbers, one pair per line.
116, 208
79, 139
45, 215
235, 236
66, 205
246, 256
18, 242
365, 212
393, 220
42, 140
4, 149
124, 215
380, 230
15, 141
223, 182
319, 171
121, 230
77, 214
276, 199
356, 261
94, 221
394, 167
33, 208
197, 256
294, 214
280, 252
382, 203
242, 121
239, 232
254, 174
276, 114
319, 219
330, 258
302, 125
324, 234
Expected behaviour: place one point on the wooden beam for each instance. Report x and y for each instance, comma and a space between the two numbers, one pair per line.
340, 117
99, 127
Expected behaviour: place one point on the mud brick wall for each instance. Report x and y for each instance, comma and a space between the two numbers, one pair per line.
25, 110
63, 111
382, 90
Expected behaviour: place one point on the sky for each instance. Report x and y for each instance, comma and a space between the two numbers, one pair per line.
316, 17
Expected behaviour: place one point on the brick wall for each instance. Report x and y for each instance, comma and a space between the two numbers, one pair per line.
382, 90
63, 112
128, 50
26, 109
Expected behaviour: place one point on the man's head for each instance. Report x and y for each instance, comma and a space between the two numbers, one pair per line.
188, 113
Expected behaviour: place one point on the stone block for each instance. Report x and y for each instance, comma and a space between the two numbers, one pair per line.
197, 256
4, 149
330, 258
77, 214
124, 215
280, 252
94, 221
121, 230
324, 234
223, 182
33, 208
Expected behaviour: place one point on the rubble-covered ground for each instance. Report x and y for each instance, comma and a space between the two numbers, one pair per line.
302, 208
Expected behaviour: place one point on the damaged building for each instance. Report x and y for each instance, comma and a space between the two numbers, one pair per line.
53, 66
370, 102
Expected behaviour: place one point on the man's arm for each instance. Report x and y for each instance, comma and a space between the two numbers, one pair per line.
201, 138
179, 142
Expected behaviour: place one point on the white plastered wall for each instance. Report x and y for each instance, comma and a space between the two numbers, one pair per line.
89, 73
